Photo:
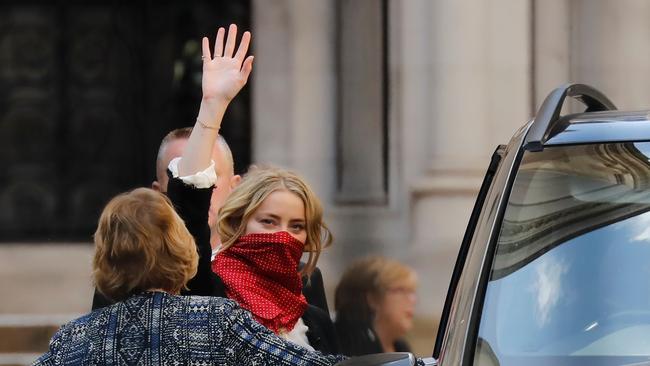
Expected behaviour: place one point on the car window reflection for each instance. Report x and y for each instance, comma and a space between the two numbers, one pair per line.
571, 275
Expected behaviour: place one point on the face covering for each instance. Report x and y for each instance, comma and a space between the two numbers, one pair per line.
260, 272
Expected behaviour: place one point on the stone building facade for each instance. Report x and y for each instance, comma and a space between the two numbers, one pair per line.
392, 109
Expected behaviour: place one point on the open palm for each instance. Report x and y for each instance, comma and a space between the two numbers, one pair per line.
226, 72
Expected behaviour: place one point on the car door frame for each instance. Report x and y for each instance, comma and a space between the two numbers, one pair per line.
462, 309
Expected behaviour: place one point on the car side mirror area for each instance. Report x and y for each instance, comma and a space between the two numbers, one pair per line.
386, 359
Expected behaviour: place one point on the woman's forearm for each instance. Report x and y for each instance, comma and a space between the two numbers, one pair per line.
197, 153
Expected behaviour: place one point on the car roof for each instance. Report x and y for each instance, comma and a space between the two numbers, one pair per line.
595, 127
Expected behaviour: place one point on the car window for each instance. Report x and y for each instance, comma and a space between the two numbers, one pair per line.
570, 280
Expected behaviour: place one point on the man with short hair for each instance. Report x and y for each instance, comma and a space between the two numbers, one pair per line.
172, 146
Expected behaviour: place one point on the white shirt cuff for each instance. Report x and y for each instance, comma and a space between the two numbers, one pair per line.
298, 335
204, 179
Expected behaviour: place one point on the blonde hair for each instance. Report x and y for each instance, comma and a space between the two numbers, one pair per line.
255, 187
141, 244
390, 273
373, 276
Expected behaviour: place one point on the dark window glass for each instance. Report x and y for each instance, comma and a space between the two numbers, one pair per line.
570, 282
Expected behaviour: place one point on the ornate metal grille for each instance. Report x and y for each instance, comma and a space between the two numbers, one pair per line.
87, 90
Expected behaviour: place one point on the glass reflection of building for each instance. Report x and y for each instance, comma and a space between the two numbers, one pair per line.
571, 275
570, 191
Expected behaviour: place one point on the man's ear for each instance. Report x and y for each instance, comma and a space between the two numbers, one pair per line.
155, 185
235, 180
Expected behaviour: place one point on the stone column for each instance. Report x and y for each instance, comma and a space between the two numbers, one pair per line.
551, 47
465, 85
610, 48
293, 98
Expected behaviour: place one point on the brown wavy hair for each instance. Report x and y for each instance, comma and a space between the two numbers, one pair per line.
368, 277
258, 184
142, 244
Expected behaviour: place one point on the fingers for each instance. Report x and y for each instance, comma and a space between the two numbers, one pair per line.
205, 55
246, 68
227, 51
218, 44
230, 42
243, 46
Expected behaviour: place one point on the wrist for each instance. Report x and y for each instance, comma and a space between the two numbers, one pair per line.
211, 113
216, 100
208, 126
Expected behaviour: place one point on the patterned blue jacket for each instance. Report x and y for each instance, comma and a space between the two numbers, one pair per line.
155, 328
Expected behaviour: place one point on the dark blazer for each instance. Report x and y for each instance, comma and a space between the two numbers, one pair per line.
357, 338
313, 289
321, 334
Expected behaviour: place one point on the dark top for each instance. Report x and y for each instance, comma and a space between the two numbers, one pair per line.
321, 334
313, 289
358, 338
153, 328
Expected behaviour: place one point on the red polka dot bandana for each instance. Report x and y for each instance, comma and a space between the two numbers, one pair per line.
260, 272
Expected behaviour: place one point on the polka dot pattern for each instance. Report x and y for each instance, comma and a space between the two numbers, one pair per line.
260, 273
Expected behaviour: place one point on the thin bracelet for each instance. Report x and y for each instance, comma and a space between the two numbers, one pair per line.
206, 126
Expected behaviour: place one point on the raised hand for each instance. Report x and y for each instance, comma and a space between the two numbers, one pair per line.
225, 73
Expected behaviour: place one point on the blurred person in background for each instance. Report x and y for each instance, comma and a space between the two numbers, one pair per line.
374, 305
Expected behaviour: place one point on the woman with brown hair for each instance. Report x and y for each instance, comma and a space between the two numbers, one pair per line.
141, 244
375, 300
